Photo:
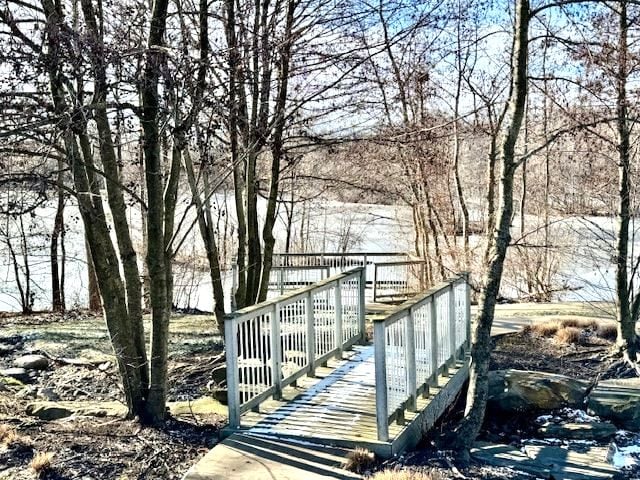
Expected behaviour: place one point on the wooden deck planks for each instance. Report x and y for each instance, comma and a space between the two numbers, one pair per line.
339, 404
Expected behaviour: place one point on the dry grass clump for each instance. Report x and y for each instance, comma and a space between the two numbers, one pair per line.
568, 335
359, 460
569, 330
9, 438
582, 323
41, 463
407, 475
546, 329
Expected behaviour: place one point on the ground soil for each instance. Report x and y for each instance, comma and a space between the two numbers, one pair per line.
103, 448
113, 448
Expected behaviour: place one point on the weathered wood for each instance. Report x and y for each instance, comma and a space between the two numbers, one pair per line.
382, 409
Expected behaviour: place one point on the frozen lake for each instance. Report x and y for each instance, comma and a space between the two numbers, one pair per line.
581, 253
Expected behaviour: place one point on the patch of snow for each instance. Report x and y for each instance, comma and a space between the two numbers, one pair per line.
578, 416
542, 419
626, 457
582, 442
541, 441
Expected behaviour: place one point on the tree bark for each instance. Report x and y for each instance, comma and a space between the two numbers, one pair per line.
477, 394
57, 282
159, 272
626, 323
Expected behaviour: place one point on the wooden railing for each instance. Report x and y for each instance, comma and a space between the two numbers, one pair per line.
272, 344
339, 262
286, 279
418, 341
399, 280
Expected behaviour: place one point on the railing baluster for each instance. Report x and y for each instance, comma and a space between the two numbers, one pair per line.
434, 341
382, 413
233, 387
467, 312
375, 283
451, 361
276, 352
311, 335
410, 359
362, 284
338, 307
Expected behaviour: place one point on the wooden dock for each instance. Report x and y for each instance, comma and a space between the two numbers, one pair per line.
337, 407
338, 391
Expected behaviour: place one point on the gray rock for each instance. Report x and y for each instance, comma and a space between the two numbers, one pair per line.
547, 461
48, 394
618, 401
579, 431
6, 349
521, 390
32, 362
49, 412
18, 373
58, 410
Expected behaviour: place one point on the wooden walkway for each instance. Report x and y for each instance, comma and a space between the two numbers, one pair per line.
338, 406
341, 394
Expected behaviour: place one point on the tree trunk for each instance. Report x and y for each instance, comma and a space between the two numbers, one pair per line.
626, 332
95, 303
477, 394
159, 270
57, 282
277, 152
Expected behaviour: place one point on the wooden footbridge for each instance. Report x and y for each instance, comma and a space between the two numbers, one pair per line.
325, 365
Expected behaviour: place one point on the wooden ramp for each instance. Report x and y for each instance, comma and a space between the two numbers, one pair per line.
310, 431
338, 407
330, 391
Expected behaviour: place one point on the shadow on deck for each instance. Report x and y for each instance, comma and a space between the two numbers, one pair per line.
337, 407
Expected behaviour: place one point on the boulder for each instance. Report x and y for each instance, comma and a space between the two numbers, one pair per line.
58, 410
579, 431
19, 374
32, 362
49, 412
200, 406
548, 461
521, 390
6, 349
618, 401
221, 395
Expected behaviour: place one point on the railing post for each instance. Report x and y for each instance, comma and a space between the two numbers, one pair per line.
338, 305
434, 339
365, 268
452, 324
311, 335
362, 307
233, 386
375, 283
276, 352
382, 413
467, 311
235, 272
410, 359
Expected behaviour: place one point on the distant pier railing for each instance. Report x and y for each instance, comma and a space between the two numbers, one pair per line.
285, 279
339, 262
420, 340
398, 280
272, 344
